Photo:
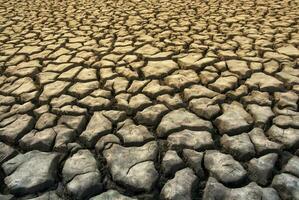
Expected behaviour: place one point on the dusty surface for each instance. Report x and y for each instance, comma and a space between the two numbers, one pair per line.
154, 99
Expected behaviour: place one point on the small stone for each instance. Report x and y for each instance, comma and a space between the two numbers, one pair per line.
292, 166
261, 143
69, 74
117, 84
158, 69
41, 110
171, 101
207, 77
205, 107
234, 119
81, 175
105, 141
256, 66
62, 100
19, 86
284, 121
179, 119
46, 120
115, 115
30, 49
38, 140
70, 110
81, 89
138, 102
155, 88
271, 67
17, 128
194, 160
200, 140
95, 130
276, 56
46, 77
31, 172
87, 74
64, 136
171, 163
94, 103
181, 186
197, 91
238, 93
6, 152
288, 77
133, 167
101, 93
261, 169
289, 50
137, 85
216, 190
181, 78
262, 115
53, 89
239, 146
151, 115
107, 73
127, 72
286, 100
224, 167
147, 50
257, 97
264, 82
201, 63
76, 123
220, 66
239, 67
132, 134
189, 60
6, 100
286, 185
224, 84
288, 137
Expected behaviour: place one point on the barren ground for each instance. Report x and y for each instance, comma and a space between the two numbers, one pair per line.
149, 99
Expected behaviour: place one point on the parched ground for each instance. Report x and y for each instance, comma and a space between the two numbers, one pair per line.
149, 99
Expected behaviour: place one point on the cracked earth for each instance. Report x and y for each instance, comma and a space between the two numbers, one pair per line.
154, 99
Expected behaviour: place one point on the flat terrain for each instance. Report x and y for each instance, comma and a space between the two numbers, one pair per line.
149, 99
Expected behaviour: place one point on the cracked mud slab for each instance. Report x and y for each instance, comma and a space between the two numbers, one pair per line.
155, 99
